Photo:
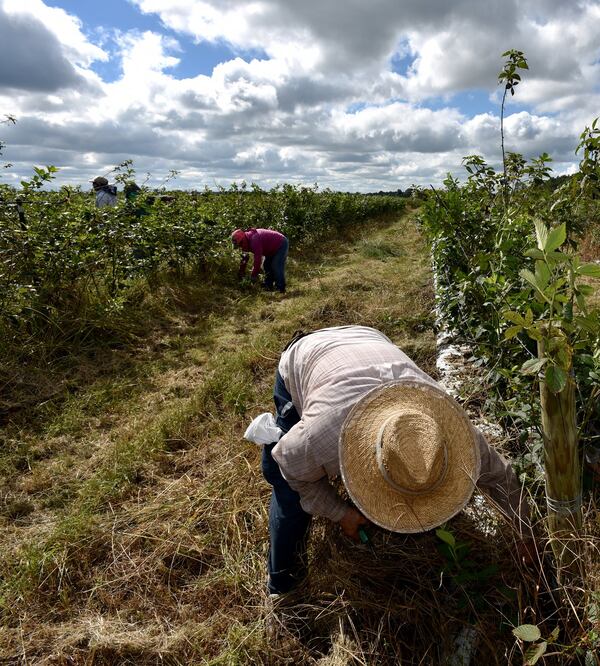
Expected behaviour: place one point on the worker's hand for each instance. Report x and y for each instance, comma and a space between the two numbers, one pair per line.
350, 523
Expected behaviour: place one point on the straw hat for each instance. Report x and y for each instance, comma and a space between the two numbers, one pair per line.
408, 456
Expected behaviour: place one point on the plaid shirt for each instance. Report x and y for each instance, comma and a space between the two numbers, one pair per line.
326, 373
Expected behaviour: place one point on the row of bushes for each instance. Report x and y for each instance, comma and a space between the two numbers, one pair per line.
486, 243
57, 249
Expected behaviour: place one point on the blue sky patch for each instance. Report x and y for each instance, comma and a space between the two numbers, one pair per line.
110, 14
100, 20
400, 64
472, 103
469, 102
201, 58
356, 107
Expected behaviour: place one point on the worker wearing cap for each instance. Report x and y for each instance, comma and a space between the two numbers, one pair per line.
351, 404
106, 195
266, 244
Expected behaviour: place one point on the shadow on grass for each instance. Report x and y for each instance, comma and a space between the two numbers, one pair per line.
153, 328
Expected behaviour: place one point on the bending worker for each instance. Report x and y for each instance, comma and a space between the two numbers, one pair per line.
350, 403
267, 243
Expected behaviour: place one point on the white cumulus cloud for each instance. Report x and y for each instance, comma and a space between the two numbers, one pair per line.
354, 95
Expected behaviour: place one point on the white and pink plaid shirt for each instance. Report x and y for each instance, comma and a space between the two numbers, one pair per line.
326, 373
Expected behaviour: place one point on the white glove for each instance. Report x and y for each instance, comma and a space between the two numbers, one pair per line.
263, 430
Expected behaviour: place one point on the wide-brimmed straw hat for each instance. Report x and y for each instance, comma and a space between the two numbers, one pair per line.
408, 456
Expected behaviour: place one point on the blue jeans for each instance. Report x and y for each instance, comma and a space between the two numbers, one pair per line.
275, 268
288, 522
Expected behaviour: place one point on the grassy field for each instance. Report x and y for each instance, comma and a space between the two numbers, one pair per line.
134, 515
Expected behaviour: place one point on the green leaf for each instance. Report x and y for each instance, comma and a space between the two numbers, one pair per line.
446, 537
556, 378
593, 612
585, 289
556, 238
534, 253
541, 234
527, 632
564, 358
533, 366
554, 635
512, 332
542, 274
557, 257
535, 333
555, 342
591, 270
534, 653
447, 553
515, 317
530, 277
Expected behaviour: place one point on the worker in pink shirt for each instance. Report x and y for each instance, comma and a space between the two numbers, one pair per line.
263, 243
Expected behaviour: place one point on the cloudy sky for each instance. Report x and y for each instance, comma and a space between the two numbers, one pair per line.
352, 94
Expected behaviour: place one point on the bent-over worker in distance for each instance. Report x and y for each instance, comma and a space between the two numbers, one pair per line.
350, 402
267, 243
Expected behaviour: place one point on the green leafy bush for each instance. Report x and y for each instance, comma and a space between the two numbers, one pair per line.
60, 257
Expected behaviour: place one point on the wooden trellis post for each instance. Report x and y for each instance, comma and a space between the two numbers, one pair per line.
563, 469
